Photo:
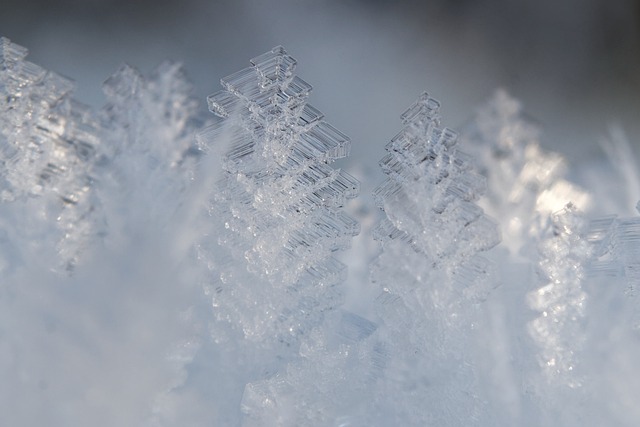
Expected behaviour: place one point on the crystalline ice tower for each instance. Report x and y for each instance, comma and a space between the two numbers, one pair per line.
47, 142
524, 181
136, 216
279, 210
564, 252
149, 123
430, 272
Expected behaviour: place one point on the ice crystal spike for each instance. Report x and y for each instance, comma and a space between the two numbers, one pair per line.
47, 145
561, 301
279, 200
429, 193
616, 250
273, 66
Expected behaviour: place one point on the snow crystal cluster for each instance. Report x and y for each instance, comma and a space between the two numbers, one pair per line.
162, 266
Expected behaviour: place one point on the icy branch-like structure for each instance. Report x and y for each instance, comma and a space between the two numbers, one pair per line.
617, 250
142, 215
147, 166
279, 202
68, 178
47, 146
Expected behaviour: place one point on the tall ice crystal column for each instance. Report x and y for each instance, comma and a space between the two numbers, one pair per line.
278, 205
559, 330
47, 145
431, 275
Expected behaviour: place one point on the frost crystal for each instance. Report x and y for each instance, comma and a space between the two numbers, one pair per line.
149, 125
617, 250
429, 193
560, 301
431, 279
430, 270
47, 144
144, 205
279, 201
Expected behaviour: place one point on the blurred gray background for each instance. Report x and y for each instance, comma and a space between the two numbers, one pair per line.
574, 64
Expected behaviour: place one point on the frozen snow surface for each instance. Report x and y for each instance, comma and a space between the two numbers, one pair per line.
161, 266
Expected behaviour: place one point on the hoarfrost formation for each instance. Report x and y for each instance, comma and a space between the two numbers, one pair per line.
159, 266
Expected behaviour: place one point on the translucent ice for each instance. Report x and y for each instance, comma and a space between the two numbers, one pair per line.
523, 179
560, 301
411, 368
429, 193
47, 145
279, 200
148, 144
205, 267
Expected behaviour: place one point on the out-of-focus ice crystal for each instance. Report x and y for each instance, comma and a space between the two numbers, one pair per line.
47, 146
523, 179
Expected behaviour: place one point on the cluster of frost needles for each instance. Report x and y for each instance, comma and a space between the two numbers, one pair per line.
163, 266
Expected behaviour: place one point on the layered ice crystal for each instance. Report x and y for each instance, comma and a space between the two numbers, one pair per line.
279, 201
47, 145
431, 279
148, 149
429, 195
431, 273
561, 301
524, 181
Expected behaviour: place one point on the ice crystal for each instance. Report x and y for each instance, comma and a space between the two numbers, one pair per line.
148, 143
430, 270
524, 180
429, 195
144, 204
560, 301
431, 277
48, 141
278, 213
617, 242
276, 216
